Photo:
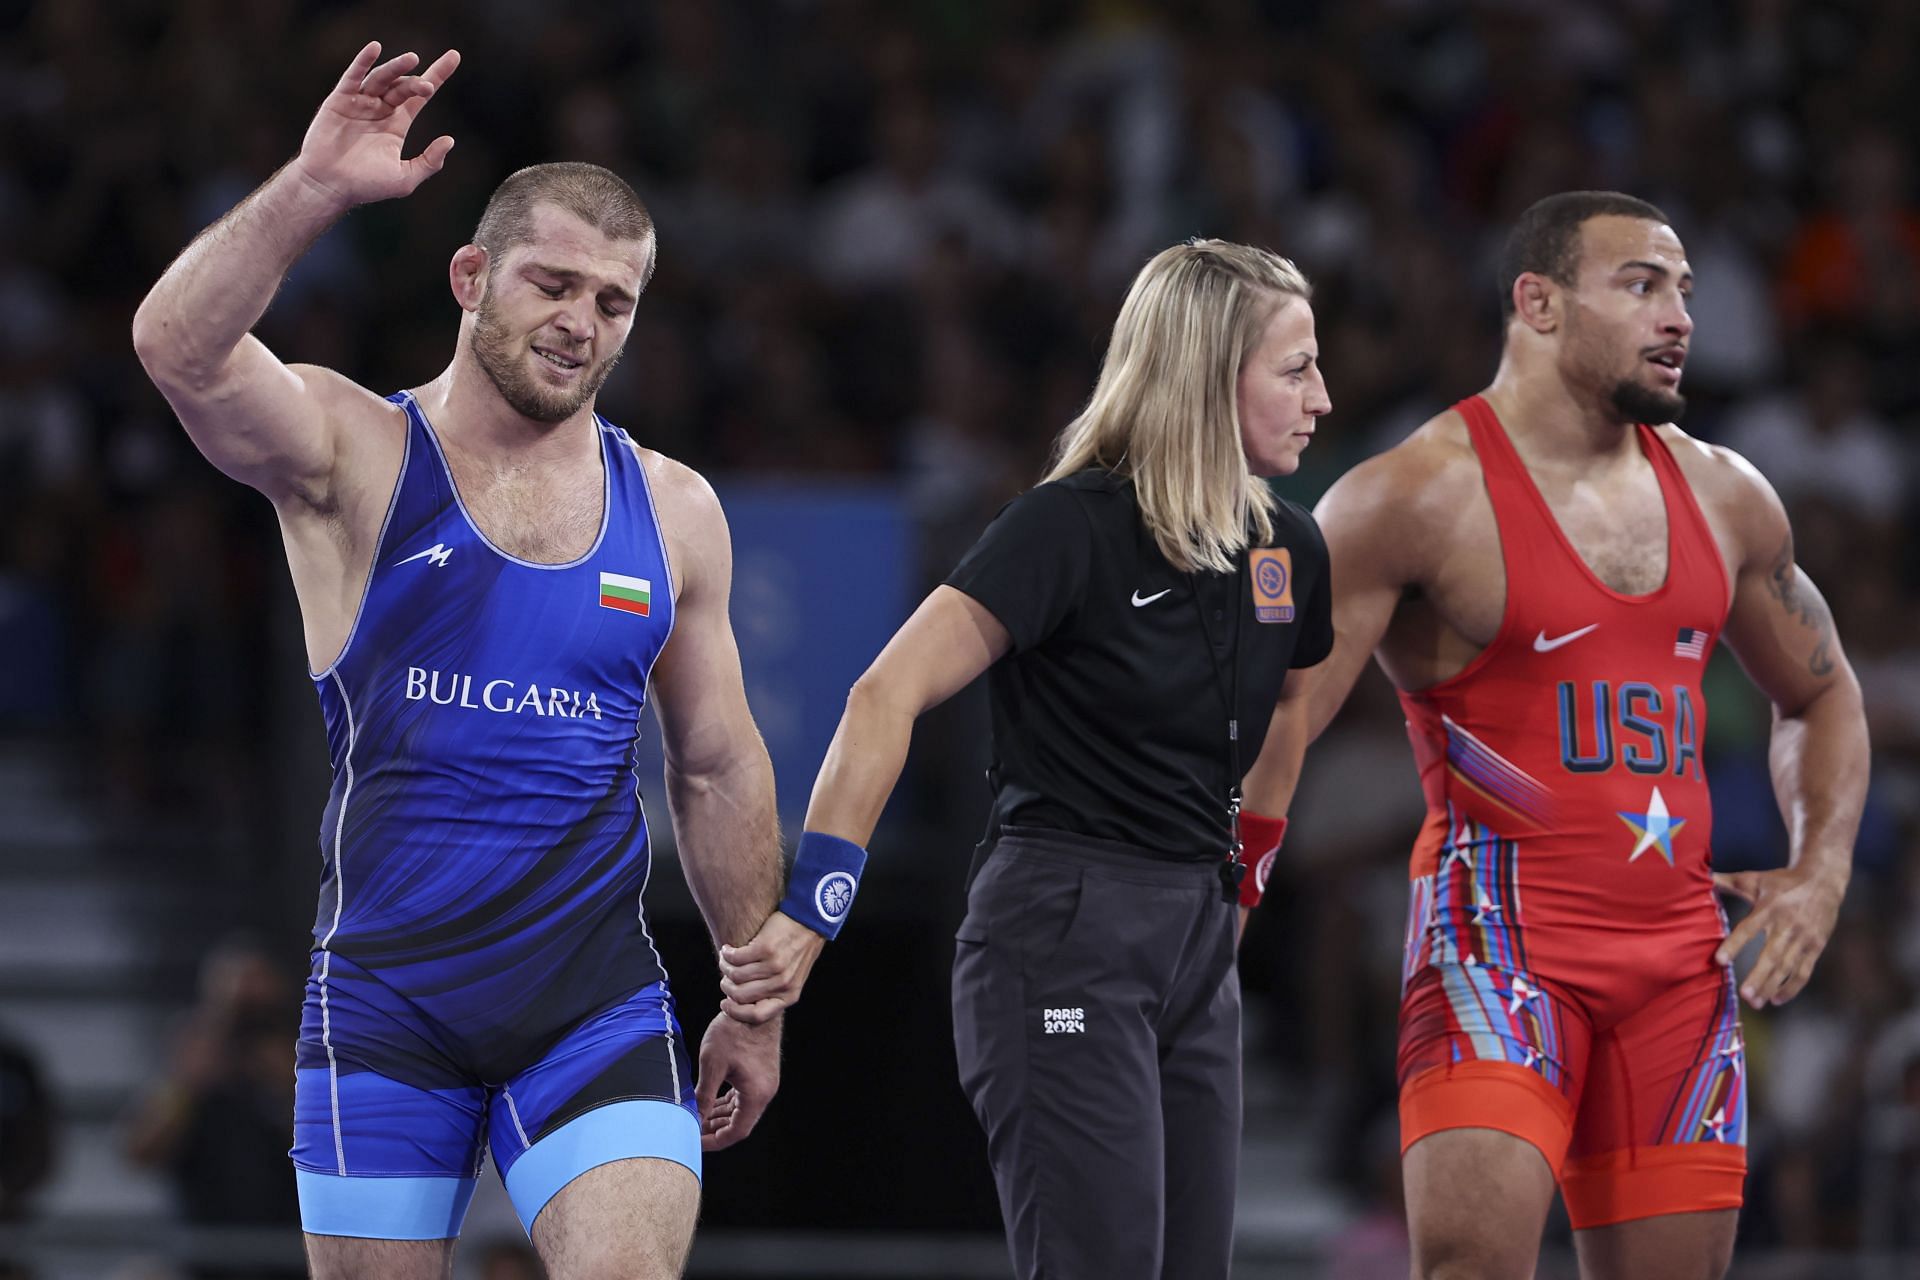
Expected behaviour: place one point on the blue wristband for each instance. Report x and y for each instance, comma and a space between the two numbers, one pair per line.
826, 875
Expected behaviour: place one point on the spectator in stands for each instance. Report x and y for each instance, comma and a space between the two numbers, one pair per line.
219, 1123
26, 1120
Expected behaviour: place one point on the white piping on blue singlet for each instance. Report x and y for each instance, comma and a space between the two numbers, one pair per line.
453, 486
379, 548
514, 1111
646, 683
339, 908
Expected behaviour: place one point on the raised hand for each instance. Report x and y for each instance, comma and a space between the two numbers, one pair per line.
352, 148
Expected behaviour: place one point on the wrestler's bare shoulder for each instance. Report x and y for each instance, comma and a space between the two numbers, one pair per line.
690, 517
1738, 501
1418, 488
1716, 473
678, 490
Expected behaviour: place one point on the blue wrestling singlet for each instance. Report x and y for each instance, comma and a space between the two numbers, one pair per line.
482, 969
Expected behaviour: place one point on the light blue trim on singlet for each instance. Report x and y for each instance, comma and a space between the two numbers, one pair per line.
369, 1208
638, 1127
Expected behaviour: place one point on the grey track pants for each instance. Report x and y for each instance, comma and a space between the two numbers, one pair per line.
1096, 1019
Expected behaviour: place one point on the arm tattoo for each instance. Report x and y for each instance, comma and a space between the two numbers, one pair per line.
1783, 582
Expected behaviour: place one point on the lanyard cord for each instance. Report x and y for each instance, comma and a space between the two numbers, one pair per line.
1229, 689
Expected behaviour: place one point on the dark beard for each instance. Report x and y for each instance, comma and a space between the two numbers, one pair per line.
1635, 403
499, 358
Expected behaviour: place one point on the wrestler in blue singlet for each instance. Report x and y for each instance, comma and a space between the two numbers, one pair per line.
482, 970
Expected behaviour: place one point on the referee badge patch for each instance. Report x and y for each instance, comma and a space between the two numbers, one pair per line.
1272, 584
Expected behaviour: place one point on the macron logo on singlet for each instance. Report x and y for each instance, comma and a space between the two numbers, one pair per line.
502, 697
436, 555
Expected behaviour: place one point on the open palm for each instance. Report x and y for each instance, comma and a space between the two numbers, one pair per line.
353, 146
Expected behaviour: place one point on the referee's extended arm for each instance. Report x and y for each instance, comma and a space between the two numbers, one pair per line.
1269, 785
950, 639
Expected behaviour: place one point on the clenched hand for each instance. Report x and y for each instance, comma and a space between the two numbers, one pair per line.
762, 978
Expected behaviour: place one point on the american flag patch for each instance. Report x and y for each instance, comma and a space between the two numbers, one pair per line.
1690, 643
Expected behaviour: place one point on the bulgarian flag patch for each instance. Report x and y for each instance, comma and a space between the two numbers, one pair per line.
631, 595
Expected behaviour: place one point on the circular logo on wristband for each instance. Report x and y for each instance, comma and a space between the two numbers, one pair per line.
1264, 869
834, 895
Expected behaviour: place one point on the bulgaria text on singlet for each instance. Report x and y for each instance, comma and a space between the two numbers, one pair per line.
1562, 767
483, 845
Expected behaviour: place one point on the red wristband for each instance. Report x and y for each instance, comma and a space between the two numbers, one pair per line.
1260, 838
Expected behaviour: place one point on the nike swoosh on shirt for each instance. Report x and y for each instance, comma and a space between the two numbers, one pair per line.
1543, 645
1139, 599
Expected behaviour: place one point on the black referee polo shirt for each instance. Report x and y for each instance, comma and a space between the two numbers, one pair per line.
1109, 713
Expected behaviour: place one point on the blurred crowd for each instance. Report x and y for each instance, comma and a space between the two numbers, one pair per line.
893, 237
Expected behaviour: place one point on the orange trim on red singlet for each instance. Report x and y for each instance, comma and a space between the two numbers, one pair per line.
1427, 846
1646, 1182
1487, 1095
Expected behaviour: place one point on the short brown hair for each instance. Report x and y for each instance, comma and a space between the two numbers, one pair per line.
1546, 239
599, 197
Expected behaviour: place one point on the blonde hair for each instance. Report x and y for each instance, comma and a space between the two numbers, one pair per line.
1165, 410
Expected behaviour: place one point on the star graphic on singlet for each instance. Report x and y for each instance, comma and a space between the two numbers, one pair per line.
1521, 995
1487, 907
1716, 1128
1532, 1056
1735, 1054
1457, 853
1654, 828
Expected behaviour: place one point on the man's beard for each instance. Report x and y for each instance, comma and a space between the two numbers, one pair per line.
1637, 403
501, 358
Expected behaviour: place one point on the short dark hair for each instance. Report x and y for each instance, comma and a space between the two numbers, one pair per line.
1546, 239
599, 197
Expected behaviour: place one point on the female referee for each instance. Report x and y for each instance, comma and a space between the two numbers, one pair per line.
1140, 613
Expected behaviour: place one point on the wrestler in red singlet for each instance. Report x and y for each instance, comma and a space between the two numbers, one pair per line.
1544, 588
1562, 927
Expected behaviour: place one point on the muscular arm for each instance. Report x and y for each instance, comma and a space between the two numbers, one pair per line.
267, 424
1782, 632
255, 418
719, 778
1364, 520
720, 794
1819, 750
